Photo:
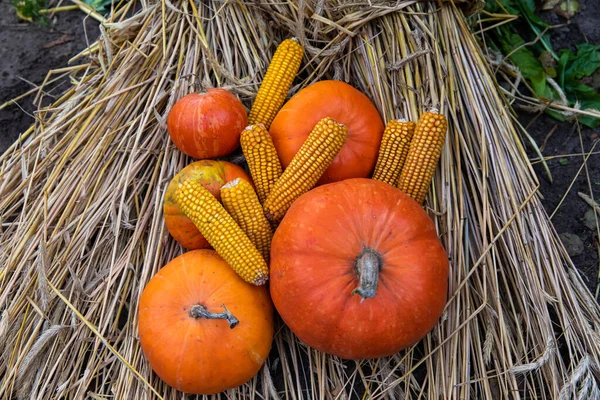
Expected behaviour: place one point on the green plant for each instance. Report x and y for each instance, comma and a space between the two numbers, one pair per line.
553, 76
30, 10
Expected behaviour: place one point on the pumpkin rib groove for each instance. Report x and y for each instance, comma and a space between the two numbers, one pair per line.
186, 337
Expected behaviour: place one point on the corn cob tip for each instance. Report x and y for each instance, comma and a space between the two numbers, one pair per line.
328, 120
261, 280
254, 126
231, 184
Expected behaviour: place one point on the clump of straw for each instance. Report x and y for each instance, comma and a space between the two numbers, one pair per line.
81, 228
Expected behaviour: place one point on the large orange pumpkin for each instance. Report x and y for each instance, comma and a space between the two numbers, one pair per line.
201, 327
213, 175
207, 124
357, 269
347, 106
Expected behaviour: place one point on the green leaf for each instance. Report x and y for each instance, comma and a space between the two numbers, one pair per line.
99, 5
567, 9
565, 56
580, 92
548, 62
589, 121
584, 63
556, 115
29, 10
510, 6
563, 161
531, 68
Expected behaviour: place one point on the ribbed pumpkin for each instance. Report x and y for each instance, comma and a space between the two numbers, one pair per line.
201, 327
213, 175
207, 124
347, 106
357, 269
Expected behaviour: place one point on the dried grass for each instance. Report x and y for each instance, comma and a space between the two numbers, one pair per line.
81, 226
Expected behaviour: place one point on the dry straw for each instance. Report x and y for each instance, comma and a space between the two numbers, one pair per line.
81, 229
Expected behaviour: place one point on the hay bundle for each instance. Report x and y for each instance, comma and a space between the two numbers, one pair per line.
81, 229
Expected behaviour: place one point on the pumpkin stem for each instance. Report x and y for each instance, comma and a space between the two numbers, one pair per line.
199, 311
367, 265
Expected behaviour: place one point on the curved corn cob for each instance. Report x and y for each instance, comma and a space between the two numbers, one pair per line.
222, 232
393, 151
241, 202
262, 159
314, 157
423, 155
276, 83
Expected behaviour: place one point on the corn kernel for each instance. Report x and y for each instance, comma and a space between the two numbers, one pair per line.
222, 232
423, 155
277, 82
306, 168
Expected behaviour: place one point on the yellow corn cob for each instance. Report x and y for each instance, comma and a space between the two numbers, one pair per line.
262, 159
423, 155
222, 232
241, 202
393, 151
315, 155
276, 83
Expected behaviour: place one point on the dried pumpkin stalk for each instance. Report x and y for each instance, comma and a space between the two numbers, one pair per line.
393, 150
222, 232
262, 159
306, 168
241, 202
423, 155
277, 82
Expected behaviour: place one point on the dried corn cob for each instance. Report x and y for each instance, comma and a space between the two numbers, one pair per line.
241, 202
222, 232
423, 155
393, 150
276, 83
315, 155
262, 159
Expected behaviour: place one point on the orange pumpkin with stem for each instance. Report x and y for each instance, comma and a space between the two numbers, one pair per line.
357, 269
213, 175
201, 327
347, 106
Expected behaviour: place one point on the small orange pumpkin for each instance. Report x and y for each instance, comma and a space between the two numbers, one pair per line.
207, 124
213, 175
357, 269
201, 327
347, 106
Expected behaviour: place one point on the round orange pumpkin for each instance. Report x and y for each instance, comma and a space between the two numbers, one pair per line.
207, 124
213, 175
357, 269
347, 106
201, 327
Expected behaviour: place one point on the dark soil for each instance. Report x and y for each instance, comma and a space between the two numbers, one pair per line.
29, 51
566, 139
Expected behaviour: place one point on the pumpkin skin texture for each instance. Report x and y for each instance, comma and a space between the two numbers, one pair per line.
201, 355
213, 175
313, 274
207, 124
346, 105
